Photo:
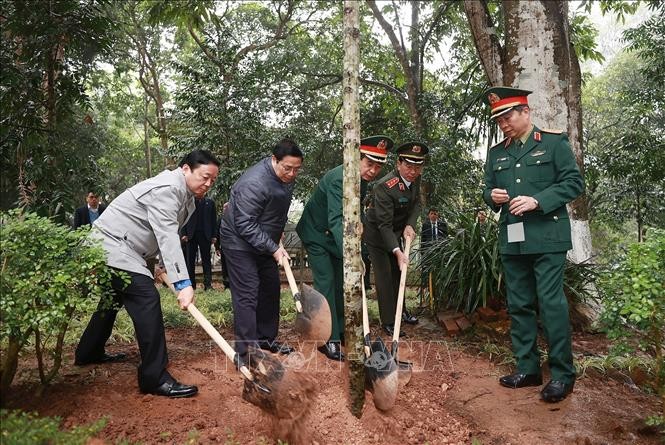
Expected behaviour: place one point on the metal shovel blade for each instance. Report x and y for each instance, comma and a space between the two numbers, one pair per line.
314, 323
404, 369
275, 389
381, 375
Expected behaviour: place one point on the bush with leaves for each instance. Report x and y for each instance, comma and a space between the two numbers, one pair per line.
20, 428
634, 305
466, 266
48, 272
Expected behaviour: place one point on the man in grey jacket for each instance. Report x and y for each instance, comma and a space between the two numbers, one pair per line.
139, 224
251, 228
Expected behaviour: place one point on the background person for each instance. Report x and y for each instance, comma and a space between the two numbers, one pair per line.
89, 213
200, 234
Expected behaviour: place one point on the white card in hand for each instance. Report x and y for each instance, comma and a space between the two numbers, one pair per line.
516, 232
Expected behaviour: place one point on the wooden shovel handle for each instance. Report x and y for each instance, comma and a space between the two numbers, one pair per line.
365, 314
292, 282
209, 328
400, 294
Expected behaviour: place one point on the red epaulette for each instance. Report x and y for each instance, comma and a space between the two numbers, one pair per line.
508, 141
391, 182
537, 136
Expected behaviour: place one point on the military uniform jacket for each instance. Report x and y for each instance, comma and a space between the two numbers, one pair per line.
392, 206
322, 219
545, 169
143, 222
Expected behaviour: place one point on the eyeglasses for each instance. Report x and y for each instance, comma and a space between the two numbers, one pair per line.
288, 168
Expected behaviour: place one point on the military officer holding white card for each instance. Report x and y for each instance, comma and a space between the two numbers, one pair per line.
530, 177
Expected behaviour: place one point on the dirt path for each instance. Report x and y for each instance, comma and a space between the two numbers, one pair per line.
453, 398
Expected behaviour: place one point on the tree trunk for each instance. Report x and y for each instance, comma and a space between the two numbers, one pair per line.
9, 364
537, 55
352, 227
146, 137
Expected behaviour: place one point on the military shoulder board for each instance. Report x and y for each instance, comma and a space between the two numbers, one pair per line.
502, 143
549, 130
391, 182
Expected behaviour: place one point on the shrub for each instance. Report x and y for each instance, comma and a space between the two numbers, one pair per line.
20, 428
48, 272
466, 266
634, 305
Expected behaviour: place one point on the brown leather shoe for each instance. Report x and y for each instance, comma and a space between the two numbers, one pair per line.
519, 380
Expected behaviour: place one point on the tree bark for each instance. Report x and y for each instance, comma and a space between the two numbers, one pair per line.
352, 227
538, 55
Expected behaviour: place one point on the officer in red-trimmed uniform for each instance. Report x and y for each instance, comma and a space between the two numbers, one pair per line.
392, 214
530, 177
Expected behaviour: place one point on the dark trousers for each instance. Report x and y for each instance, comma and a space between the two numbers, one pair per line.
255, 294
386, 280
532, 279
198, 242
141, 299
328, 272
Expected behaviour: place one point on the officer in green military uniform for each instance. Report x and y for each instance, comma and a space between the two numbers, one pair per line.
392, 214
530, 177
320, 230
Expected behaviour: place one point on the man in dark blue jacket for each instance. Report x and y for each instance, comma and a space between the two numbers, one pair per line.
251, 229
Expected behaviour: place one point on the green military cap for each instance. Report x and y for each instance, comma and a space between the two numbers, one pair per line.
413, 152
377, 147
503, 99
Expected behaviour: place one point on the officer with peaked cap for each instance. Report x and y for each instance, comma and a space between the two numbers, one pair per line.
320, 230
530, 176
393, 211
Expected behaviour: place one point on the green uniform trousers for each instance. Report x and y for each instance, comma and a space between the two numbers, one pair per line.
328, 271
531, 277
386, 280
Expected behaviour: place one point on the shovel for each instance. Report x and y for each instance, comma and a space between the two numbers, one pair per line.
313, 318
404, 368
270, 388
380, 369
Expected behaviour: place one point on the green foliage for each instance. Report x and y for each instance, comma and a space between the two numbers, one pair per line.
20, 428
625, 148
635, 295
467, 269
48, 273
466, 266
48, 143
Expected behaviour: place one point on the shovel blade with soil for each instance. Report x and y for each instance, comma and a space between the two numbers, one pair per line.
313, 318
267, 383
381, 374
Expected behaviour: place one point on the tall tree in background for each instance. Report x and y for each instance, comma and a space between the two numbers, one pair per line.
49, 142
537, 54
351, 205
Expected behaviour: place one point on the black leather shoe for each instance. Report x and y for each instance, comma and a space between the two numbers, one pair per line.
275, 347
239, 361
390, 330
408, 318
332, 350
555, 391
518, 380
174, 390
106, 358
